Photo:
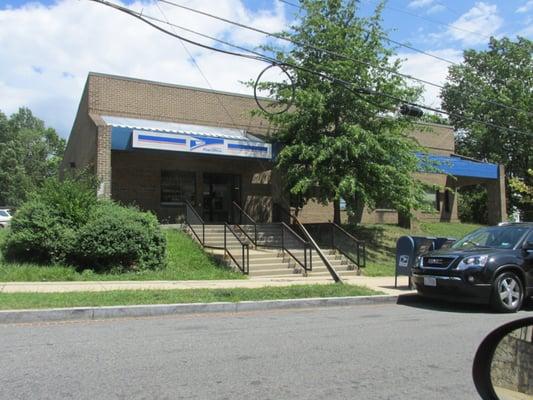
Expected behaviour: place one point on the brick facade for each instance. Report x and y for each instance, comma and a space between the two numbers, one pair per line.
133, 177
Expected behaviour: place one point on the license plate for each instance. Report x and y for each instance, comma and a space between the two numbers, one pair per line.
430, 281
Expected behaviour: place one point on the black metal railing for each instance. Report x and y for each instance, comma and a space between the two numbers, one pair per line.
298, 227
245, 223
297, 248
352, 248
331, 235
236, 249
195, 222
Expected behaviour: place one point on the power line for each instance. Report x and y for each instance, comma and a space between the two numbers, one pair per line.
217, 96
429, 83
336, 54
386, 38
434, 21
260, 57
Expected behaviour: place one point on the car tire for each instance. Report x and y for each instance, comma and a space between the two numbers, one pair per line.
507, 293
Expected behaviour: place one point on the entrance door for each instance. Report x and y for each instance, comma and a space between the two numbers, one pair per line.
220, 190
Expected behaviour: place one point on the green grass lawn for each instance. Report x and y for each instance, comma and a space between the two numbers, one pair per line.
381, 241
185, 261
13, 301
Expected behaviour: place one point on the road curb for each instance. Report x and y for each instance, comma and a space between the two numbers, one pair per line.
93, 313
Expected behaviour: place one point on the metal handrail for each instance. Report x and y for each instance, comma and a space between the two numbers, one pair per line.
336, 277
307, 263
244, 233
254, 223
359, 245
189, 207
245, 250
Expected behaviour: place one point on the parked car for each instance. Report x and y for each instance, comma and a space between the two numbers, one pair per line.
490, 265
5, 217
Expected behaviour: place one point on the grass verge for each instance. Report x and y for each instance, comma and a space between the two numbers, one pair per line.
381, 241
185, 261
17, 301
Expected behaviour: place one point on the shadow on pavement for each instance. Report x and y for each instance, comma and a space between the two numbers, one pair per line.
413, 300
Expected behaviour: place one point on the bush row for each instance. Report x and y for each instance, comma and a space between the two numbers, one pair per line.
64, 222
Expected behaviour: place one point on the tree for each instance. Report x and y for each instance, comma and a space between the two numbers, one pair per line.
29, 153
501, 74
336, 142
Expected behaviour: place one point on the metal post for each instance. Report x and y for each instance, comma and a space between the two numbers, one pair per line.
247, 260
243, 261
225, 247
358, 255
305, 257
282, 238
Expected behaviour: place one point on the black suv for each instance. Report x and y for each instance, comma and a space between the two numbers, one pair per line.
490, 265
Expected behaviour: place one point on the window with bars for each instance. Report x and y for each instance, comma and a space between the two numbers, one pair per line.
177, 186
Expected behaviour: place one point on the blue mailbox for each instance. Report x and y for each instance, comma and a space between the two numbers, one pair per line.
407, 249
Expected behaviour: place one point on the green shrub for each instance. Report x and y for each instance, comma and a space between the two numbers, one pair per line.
38, 235
120, 238
472, 205
44, 228
65, 223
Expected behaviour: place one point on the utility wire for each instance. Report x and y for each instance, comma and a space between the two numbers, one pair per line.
260, 57
217, 96
434, 21
333, 53
387, 39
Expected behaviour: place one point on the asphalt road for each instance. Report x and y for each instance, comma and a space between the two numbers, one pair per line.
417, 350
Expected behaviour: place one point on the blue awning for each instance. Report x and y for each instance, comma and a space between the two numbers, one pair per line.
460, 166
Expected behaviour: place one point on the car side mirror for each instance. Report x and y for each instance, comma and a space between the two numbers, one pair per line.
528, 246
503, 365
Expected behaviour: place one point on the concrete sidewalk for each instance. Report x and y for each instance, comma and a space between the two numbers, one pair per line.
382, 284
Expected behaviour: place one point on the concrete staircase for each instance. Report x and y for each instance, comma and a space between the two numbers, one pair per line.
343, 266
273, 262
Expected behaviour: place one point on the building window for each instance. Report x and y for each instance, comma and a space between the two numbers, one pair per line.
431, 200
177, 187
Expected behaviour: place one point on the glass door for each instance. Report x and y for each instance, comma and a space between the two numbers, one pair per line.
219, 191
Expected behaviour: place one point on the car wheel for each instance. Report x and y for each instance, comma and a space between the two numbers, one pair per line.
507, 292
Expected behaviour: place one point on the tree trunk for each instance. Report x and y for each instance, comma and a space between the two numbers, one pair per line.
337, 211
404, 220
356, 210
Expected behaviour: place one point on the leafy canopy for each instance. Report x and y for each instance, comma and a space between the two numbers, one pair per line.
29, 153
501, 74
335, 142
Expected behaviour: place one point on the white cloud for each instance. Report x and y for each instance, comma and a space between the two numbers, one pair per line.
476, 25
431, 70
420, 3
526, 7
47, 51
436, 9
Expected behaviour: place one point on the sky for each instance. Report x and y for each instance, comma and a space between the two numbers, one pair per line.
48, 47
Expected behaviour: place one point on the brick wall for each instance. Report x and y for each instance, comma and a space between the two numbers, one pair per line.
136, 180
90, 141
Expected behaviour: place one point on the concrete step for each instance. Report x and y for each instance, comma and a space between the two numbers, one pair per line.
272, 261
271, 269
273, 272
